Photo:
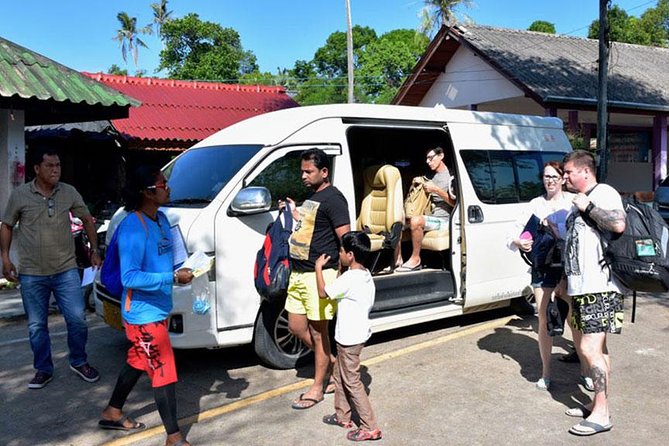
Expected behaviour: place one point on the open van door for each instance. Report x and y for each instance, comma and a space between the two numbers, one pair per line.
500, 167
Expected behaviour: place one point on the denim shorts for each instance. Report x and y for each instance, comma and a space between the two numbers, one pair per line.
548, 278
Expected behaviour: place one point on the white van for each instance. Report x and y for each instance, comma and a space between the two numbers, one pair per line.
224, 193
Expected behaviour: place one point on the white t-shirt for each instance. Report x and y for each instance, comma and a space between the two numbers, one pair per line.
355, 292
555, 211
583, 250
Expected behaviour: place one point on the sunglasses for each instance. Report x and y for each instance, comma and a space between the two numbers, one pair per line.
51, 207
159, 186
430, 157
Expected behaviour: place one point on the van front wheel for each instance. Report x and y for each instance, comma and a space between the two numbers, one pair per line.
273, 343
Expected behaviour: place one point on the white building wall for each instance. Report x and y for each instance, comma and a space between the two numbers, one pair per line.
468, 80
12, 149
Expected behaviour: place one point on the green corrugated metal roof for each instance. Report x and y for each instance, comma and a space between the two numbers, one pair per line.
26, 74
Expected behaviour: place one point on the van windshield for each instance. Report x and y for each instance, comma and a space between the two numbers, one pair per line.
198, 175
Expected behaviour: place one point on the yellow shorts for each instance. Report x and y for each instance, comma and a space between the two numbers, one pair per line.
303, 296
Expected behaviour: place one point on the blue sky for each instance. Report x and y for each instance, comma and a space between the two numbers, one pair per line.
78, 33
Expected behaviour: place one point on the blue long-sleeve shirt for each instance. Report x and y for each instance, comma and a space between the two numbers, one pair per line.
146, 267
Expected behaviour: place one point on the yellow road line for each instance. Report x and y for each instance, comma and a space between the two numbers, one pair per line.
227, 408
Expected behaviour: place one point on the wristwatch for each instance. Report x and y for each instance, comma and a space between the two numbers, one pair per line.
176, 276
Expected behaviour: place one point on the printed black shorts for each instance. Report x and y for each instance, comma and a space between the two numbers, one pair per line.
598, 312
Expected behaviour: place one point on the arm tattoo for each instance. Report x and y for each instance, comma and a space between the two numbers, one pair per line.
599, 380
608, 220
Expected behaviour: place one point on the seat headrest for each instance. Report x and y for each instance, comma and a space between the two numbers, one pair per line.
376, 176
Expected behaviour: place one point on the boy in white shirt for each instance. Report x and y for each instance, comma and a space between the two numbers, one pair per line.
354, 290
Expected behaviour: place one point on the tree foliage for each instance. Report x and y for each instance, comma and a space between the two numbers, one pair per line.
542, 26
330, 59
128, 36
115, 69
436, 13
196, 49
386, 63
160, 15
652, 28
381, 64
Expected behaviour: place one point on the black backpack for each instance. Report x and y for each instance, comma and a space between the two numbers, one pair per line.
272, 267
638, 256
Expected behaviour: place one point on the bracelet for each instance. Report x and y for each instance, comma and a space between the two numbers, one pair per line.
589, 209
176, 276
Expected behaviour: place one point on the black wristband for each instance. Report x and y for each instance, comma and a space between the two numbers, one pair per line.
589, 209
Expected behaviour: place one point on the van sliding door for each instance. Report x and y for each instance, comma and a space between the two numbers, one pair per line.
500, 166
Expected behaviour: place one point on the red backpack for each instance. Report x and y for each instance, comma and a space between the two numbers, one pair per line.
272, 267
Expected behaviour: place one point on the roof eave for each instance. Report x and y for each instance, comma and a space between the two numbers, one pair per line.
592, 103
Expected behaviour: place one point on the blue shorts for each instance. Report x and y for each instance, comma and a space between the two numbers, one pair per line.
548, 278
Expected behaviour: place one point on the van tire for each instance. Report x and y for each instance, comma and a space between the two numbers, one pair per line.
272, 341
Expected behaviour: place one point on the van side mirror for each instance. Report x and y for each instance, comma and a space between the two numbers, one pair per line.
251, 200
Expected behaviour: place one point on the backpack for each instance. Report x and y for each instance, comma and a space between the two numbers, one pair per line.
272, 267
638, 256
417, 201
110, 273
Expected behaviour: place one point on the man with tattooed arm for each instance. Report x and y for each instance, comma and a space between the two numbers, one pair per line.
597, 299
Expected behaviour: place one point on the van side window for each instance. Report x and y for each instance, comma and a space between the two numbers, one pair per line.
504, 181
501, 177
283, 179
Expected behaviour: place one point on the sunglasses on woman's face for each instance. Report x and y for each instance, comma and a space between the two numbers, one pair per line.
159, 186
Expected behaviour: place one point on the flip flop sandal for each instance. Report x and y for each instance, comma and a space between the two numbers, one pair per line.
119, 425
311, 402
407, 269
578, 412
586, 428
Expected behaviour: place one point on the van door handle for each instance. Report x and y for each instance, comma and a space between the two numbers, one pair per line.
475, 214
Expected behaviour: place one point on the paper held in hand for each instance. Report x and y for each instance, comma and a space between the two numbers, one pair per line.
199, 263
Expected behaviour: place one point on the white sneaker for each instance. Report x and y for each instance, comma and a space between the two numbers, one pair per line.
543, 383
586, 381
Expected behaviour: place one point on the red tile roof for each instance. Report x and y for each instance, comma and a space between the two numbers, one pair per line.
176, 114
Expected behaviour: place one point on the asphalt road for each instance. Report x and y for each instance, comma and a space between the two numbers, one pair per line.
463, 381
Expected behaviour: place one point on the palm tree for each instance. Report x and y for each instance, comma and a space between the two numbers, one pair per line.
436, 13
127, 36
160, 15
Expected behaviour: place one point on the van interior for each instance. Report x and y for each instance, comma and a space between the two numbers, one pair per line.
372, 150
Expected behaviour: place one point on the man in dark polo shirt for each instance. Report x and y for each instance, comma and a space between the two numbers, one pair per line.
47, 262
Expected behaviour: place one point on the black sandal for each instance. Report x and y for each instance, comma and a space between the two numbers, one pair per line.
333, 420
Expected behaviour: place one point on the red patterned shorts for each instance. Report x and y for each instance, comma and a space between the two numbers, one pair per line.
152, 352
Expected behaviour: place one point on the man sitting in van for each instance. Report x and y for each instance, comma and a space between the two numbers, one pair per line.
442, 200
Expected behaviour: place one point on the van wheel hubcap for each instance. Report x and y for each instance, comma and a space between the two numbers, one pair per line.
284, 339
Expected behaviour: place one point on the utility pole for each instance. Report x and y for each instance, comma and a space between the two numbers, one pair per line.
602, 98
349, 51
